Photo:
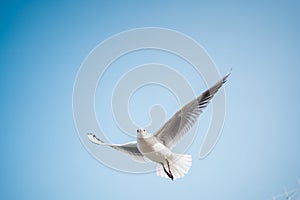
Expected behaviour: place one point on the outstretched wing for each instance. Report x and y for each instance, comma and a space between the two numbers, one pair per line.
130, 149
183, 120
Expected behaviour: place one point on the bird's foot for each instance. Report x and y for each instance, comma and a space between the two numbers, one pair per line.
168, 172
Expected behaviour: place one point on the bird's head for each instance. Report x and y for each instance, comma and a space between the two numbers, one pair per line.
141, 132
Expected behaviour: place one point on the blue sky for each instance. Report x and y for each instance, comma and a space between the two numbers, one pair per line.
43, 45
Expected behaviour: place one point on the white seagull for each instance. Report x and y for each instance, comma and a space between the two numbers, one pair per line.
157, 147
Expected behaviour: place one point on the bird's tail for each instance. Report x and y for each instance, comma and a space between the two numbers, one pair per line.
175, 167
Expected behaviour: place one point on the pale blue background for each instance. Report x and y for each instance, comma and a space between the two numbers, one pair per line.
42, 45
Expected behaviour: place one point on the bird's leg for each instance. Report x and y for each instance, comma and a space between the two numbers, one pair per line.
169, 174
165, 170
169, 169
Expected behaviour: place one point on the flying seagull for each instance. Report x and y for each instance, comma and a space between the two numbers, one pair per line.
157, 147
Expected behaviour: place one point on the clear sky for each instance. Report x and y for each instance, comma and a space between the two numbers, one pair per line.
43, 45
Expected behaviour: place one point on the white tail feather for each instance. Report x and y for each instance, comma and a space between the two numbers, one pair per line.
179, 166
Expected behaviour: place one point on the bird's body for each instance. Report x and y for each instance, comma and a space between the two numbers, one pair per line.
151, 148
157, 147
168, 163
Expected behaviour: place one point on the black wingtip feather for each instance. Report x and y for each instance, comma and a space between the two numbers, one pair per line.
227, 75
96, 137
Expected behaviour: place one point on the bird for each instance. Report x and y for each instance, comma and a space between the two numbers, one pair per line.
157, 147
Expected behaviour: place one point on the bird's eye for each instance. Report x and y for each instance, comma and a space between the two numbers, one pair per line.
144, 130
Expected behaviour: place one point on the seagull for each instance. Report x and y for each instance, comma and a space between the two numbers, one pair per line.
157, 147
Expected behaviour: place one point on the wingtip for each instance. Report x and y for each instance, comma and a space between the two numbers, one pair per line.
230, 71
227, 75
92, 137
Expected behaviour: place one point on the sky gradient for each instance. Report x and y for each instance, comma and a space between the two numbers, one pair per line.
43, 45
